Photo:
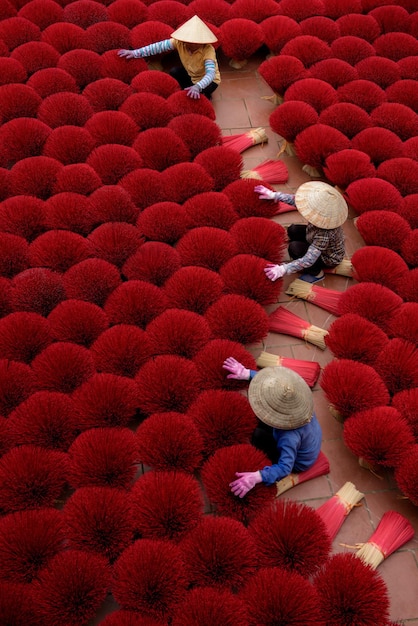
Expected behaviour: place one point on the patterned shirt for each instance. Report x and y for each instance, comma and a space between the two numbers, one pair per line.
324, 243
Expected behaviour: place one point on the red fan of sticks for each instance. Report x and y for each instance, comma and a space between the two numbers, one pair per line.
308, 370
327, 299
243, 141
392, 532
335, 510
270, 171
319, 468
288, 323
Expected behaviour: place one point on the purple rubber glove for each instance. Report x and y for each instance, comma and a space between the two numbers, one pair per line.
128, 54
265, 193
193, 92
245, 482
275, 271
238, 371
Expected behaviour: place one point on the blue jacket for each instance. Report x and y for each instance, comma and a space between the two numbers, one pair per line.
298, 449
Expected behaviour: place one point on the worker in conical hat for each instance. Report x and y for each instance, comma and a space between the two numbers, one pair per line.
288, 431
199, 72
319, 244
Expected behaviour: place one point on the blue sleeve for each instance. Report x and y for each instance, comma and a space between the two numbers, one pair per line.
288, 447
253, 373
209, 75
154, 48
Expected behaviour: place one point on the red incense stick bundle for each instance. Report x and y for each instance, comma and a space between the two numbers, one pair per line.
335, 510
288, 323
270, 171
327, 299
319, 468
392, 532
308, 370
242, 141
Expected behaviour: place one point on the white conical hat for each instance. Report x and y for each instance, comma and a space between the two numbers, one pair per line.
281, 398
321, 204
194, 31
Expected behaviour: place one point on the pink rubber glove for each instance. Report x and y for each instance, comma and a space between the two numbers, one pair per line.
128, 54
193, 92
264, 193
275, 271
238, 371
245, 482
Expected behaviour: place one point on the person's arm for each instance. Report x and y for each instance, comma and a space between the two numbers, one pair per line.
237, 370
277, 271
166, 45
195, 90
288, 447
276, 196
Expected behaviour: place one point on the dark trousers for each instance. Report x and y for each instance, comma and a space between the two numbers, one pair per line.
184, 80
263, 440
298, 247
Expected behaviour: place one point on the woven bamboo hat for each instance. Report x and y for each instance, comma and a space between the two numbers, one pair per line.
194, 31
281, 398
321, 205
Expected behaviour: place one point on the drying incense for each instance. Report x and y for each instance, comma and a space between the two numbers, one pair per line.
392, 532
243, 141
270, 171
327, 299
345, 268
308, 370
287, 323
319, 468
335, 510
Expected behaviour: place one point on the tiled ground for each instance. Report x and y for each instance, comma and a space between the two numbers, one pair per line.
244, 101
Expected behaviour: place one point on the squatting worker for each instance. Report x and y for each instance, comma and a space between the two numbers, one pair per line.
288, 432
318, 244
199, 72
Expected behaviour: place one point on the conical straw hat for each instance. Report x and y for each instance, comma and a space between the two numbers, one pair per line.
321, 205
194, 31
281, 398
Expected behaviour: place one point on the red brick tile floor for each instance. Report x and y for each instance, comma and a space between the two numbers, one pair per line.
244, 101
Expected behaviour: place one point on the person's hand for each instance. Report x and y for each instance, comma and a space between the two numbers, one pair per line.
128, 54
245, 482
193, 92
238, 371
264, 192
275, 271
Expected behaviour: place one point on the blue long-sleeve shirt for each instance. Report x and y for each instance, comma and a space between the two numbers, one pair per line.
298, 449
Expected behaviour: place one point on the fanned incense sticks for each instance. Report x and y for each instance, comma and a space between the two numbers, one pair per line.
308, 370
392, 532
287, 323
327, 299
243, 141
335, 510
270, 171
319, 468
345, 268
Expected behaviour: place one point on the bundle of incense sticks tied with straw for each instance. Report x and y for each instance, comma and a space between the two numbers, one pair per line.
270, 171
392, 532
243, 141
327, 299
319, 468
335, 510
308, 370
345, 268
288, 323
